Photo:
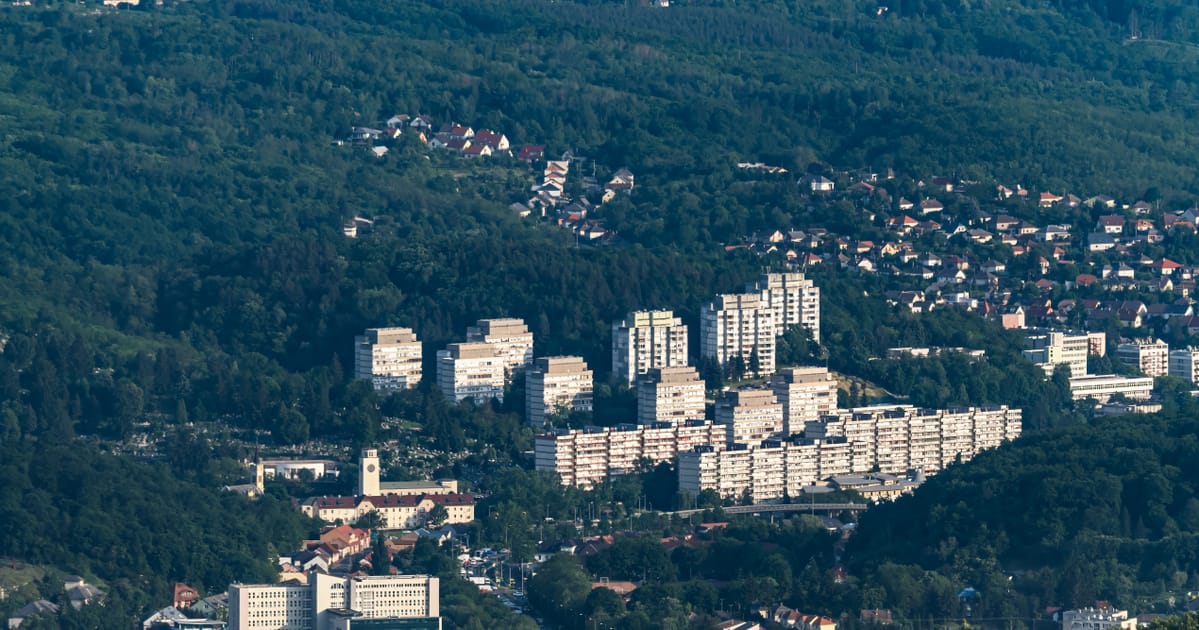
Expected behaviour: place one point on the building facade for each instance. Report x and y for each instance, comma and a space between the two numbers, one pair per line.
739, 327
1053, 348
1097, 619
670, 394
557, 384
325, 599
749, 415
1102, 387
394, 511
645, 340
792, 299
892, 440
1185, 364
388, 357
510, 338
1151, 357
806, 394
471, 370
588, 456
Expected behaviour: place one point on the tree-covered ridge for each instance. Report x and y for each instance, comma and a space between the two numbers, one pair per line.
1106, 510
134, 526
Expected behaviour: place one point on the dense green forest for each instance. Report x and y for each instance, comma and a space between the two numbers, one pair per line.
132, 529
1104, 510
182, 234
170, 244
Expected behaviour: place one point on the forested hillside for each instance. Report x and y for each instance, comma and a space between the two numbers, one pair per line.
173, 196
172, 199
1107, 510
133, 529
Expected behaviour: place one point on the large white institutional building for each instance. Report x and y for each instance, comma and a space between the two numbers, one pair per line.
646, 340
335, 603
399, 504
389, 357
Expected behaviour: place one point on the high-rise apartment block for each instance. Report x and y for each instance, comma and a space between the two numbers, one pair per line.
1151, 357
511, 339
557, 384
1185, 364
738, 326
471, 370
888, 440
670, 394
335, 603
1050, 349
586, 457
749, 415
389, 357
645, 340
806, 394
793, 299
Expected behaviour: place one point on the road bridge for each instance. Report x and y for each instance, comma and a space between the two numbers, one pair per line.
765, 508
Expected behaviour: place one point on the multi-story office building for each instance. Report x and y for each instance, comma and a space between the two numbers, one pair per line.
1151, 357
749, 415
588, 456
471, 370
1102, 387
793, 299
645, 340
335, 603
670, 394
511, 339
805, 393
389, 357
736, 327
1053, 348
1185, 364
888, 440
556, 385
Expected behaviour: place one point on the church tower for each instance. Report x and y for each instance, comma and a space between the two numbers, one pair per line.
368, 473
259, 477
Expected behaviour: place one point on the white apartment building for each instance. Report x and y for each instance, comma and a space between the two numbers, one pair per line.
1097, 619
749, 415
1053, 348
471, 370
806, 393
646, 340
889, 440
511, 339
1102, 387
557, 384
793, 299
327, 600
1151, 357
1185, 364
389, 357
670, 394
739, 325
588, 456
